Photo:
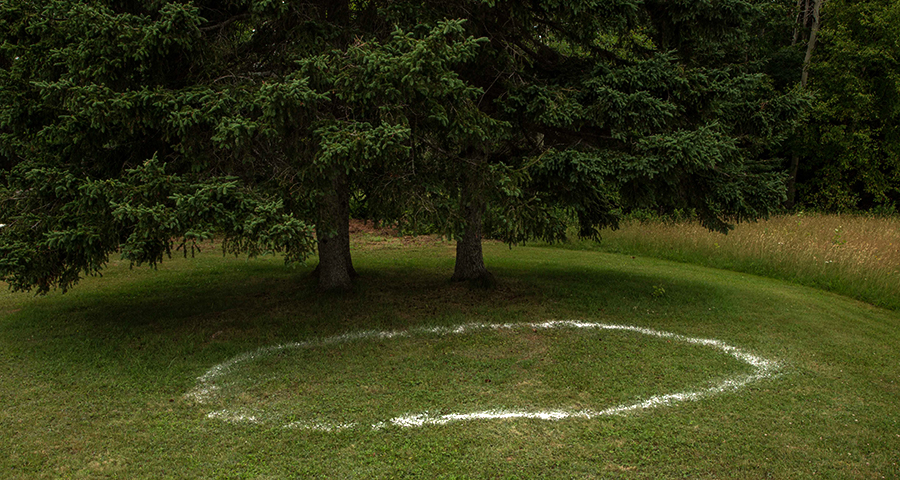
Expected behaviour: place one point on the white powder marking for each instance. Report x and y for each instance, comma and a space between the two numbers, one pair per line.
208, 387
234, 416
321, 426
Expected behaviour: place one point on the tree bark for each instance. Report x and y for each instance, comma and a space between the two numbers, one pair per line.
335, 269
811, 44
792, 181
469, 256
810, 17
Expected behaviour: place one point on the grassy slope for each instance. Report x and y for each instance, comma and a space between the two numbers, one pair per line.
94, 380
853, 255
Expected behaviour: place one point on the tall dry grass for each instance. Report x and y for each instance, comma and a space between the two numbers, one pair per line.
854, 255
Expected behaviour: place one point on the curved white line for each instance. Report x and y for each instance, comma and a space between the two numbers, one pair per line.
207, 388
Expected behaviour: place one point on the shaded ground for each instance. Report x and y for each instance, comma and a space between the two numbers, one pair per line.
94, 380
365, 234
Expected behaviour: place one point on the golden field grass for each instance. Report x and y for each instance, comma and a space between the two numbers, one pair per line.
854, 255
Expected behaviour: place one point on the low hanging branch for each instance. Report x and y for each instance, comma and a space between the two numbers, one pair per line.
221, 25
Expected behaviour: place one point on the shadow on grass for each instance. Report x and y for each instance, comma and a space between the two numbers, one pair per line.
235, 307
587, 290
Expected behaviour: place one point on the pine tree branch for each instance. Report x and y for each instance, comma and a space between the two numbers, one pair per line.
220, 26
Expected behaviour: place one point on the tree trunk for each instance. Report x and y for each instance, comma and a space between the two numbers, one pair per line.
345, 227
335, 269
792, 181
799, 18
810, 17
811, 44
469, 256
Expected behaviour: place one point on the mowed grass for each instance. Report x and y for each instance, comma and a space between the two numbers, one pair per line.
854, 255
96, 382
439, 373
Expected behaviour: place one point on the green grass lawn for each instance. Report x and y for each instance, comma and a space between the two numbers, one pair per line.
97, 383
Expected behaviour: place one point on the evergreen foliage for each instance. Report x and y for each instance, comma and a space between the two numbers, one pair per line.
117, 135
606, 107
138, 127
125, 126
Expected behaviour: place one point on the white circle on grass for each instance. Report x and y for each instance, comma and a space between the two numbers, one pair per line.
210, 384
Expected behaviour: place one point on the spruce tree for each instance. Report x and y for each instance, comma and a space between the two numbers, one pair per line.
140, 127
603, 107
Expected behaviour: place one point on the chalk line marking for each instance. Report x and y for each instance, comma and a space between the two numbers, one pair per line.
209, 385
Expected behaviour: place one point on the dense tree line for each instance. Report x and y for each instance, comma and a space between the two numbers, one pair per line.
846, 56
141, 127
851, 143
